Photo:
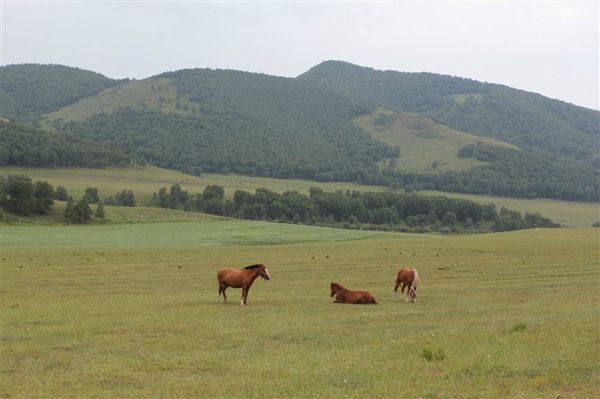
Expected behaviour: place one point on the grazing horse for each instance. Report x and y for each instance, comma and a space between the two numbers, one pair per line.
342, 295
240, 278
407, 278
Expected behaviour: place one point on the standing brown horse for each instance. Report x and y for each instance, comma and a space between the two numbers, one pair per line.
342, 295
240, 278
407, 278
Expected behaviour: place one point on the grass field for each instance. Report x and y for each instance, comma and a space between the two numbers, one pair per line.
145, 181
131, 311
423, 141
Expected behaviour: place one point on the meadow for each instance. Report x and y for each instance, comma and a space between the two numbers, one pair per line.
148, 180
130, 310
423, 141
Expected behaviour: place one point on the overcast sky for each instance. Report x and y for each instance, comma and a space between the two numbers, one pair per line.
547, 47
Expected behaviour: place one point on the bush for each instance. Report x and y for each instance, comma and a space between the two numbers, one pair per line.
61, 194
431, 354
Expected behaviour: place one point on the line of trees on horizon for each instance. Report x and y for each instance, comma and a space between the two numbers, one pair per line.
352, 209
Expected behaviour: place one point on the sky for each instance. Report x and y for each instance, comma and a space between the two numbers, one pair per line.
551, 48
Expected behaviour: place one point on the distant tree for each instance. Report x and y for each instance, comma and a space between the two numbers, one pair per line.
42, 197
213, 191
70, 210
19, 194
125, 198
163, 198
82, 213
100, 212
91, 195
449, 218
61, 194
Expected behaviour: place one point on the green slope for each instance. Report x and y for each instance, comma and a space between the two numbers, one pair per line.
147, 94
422, 141
30, 90
524, 119
229, 121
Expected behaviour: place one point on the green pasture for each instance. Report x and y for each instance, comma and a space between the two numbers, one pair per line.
423, 141
146, 181
131, 311
204, 230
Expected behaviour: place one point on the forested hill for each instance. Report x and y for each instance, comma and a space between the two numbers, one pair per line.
23, 145
525, 119
31, 90
229, 121
222, 121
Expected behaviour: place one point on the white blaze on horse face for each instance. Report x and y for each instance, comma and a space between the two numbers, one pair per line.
268, 274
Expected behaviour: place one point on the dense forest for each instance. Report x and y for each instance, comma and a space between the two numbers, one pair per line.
31, 90
525, 119
351, 209
23, 145
246, 123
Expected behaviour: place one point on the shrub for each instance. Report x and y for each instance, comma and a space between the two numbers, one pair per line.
518, 327
431, 354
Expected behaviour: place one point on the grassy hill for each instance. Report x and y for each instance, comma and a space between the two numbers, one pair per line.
317, 127
521, 118
229, 121
31, 90
131, 310
157, 94
422, 141
146, 181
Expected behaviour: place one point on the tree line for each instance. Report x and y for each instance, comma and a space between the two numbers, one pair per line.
19, 195
352, 209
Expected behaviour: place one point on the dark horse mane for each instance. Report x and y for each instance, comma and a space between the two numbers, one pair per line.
252, 267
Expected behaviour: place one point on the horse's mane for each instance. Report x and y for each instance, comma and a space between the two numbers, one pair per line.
252, 267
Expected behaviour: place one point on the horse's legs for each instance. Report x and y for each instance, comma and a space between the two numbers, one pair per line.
405, 296
396, 289
244, 295
222, 289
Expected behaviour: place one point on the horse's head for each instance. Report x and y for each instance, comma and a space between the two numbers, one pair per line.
262, 270
335, 287
264, 273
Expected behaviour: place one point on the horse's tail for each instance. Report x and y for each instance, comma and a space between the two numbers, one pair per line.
415, 281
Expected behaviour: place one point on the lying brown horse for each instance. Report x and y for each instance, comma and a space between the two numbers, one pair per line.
240, 278
343, 295
407, 278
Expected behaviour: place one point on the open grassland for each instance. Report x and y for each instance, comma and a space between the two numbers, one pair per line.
423, 141
146, 181
131, 311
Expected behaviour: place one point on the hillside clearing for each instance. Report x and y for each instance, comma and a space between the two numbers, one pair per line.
422, 141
